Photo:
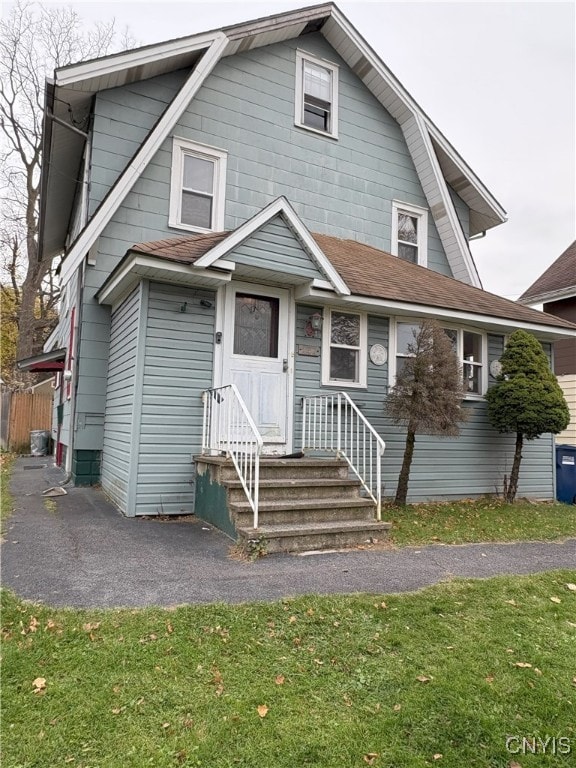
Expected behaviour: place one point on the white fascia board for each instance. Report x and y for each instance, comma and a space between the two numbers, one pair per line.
69, 76
137, 261
466, 170
132, 173
386, 306
374, 60
51, 340
278, 206
544, 298
397, 88
463, 248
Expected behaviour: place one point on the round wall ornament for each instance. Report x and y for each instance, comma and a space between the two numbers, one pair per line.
378, 354
495, 368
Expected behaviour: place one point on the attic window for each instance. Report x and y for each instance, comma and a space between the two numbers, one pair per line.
197, 188
409, 232
316, 107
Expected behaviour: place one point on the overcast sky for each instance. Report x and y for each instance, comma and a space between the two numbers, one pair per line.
497, 78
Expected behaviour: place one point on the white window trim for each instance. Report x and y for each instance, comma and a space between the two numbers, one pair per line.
422, 214
301, 57
180, 148
393, 352
362, 382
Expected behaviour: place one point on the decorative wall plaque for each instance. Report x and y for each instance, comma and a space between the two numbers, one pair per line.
495, 368
378, 354
308, 351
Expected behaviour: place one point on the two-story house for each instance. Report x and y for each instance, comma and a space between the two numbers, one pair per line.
555, 289
264, 214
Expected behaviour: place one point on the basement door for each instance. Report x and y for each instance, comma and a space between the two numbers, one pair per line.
256, 357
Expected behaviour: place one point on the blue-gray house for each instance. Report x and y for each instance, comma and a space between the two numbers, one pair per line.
253, 220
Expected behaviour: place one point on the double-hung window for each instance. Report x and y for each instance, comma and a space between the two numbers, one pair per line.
344, 349
470, 348
316, 106
409, 233
197, 189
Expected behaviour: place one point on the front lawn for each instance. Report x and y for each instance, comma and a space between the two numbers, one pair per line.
6, 461
440, 677
480, 520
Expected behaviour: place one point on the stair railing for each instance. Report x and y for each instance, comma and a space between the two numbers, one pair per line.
228, 429
333, 423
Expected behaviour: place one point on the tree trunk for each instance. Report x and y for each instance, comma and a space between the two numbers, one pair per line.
402, 490
27, 319
513, 484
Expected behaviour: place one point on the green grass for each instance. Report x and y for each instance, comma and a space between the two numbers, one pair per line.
486, 519
6, 502
339, 677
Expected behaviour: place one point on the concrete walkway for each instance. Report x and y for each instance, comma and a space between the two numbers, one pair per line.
84, 553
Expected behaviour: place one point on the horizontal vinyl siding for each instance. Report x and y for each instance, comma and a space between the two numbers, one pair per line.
275, 247
118, 436
123, 117
246, 107
177, 368
471, 465
568, 386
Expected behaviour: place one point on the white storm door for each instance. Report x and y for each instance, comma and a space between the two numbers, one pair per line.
256, 357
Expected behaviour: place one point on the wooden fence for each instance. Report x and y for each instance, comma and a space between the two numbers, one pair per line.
23, 413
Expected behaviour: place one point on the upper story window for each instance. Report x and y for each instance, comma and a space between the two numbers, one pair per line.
316, 105
344, 349
470, 347
410, 233
198, 186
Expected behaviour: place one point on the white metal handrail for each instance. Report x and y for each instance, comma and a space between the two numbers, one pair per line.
332, 422
229, 429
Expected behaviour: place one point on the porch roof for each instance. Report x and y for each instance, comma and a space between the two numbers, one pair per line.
370, 272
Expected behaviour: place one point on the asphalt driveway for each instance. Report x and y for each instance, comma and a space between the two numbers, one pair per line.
80, 551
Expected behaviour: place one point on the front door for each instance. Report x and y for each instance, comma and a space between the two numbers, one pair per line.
256, 357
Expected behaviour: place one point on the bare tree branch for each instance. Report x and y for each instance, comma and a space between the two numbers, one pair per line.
35, 39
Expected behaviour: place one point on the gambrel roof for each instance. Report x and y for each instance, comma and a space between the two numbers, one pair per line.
555, 283
437, 163
356, 274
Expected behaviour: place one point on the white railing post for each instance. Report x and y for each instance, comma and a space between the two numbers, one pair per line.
350, 435
227, 424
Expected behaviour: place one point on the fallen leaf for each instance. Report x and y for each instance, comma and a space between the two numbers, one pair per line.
310, 612
514, 764
423, 679
489, 679
397, 707
538, 671
165, 725
279, 679
370, 757
523, 665
555, 599
90, 626
571, 587
574, 681
262, 710
292, 619
438, 756
510, 602
39, 684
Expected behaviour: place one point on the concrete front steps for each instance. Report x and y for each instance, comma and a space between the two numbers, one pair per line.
305, 504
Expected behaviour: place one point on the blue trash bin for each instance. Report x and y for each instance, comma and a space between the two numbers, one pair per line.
566, 473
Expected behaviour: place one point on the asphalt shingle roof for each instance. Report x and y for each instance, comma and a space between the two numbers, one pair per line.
559, 276
373, 273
